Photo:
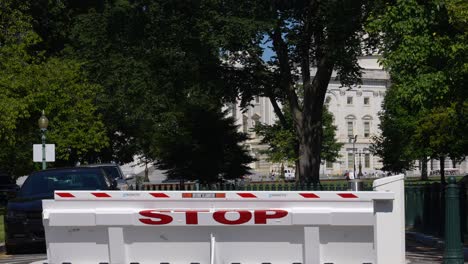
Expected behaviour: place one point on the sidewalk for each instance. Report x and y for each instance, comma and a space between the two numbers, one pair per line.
423, 249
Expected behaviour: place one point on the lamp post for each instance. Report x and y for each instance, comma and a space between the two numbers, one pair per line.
353, 140
323, 162
43, 123
360, 165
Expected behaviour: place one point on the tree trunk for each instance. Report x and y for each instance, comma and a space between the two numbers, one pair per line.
442, 170
307, 115
424, 169
309, 148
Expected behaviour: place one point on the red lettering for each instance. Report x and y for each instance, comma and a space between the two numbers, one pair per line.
191, 217
158, 217
163, 219
220, 217
261, 216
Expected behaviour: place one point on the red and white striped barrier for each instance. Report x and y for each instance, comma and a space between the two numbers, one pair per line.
227, 226
225, 195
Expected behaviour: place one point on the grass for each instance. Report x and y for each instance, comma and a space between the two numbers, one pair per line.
2, 227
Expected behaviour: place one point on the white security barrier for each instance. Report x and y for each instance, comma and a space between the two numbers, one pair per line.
230, 227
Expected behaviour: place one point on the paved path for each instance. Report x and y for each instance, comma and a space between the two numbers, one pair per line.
424, 249
21, 259
417, 253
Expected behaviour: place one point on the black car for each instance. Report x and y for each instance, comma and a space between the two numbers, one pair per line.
113, 170
23, 220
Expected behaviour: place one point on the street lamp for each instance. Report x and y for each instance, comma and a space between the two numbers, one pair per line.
353, 140
43, 123
360, 165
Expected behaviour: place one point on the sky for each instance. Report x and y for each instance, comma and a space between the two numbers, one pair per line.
267, 52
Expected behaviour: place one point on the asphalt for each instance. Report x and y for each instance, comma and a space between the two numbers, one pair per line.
424, 249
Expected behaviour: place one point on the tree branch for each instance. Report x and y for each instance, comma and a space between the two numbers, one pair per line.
278, 111
314, 90
305, 43
315, 96
286, 81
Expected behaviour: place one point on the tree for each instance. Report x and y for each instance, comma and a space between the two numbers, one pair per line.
395, 145
199, 143
30, 83
284, 145
156, 62
424, 48
322, 36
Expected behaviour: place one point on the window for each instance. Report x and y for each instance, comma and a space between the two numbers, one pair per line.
46, 182
350, 161
349, 100
257, 99
327, 101
329, 164
350, 129
366, 129
366, 100
367, 160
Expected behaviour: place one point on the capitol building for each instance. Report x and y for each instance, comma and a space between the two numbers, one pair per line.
356, 115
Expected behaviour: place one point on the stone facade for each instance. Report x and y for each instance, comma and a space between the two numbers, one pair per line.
355, 112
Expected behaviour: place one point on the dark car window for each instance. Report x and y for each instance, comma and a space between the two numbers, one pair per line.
48, 181
112, 172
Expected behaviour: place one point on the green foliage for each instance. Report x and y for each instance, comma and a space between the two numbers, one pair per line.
444, 130
394, 144
31, 82
199, 143
424, 48
330, 146
160, 71
149, 65
284, 145
282, 142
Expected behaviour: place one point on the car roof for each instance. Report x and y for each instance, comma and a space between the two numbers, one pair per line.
65, 169
99, 165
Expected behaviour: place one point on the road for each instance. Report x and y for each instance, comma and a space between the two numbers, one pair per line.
21, 259
417, 253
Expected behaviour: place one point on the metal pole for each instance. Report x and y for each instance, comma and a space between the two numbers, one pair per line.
360, 165
354, 158
453, 253
44, 164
